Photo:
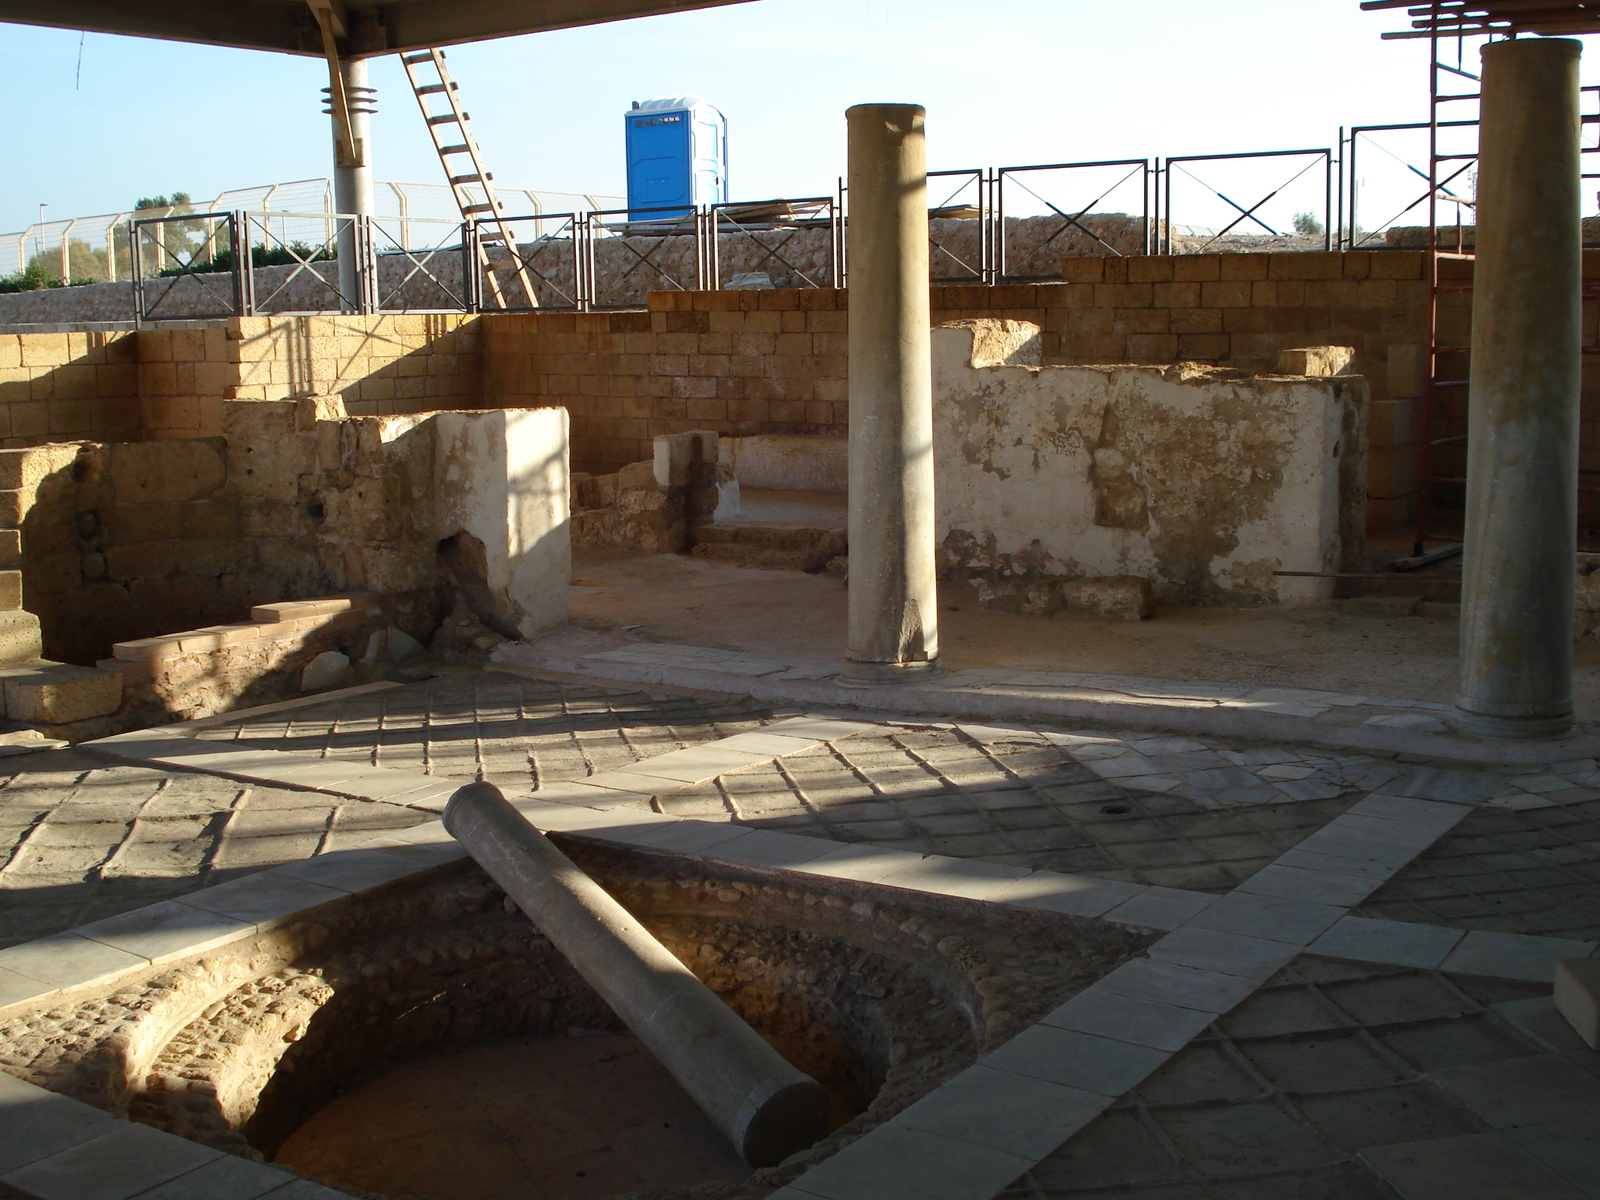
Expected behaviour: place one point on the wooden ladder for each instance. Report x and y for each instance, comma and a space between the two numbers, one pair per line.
497, 249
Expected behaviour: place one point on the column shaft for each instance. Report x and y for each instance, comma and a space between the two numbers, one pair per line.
1520, 561
352, 174
893, 592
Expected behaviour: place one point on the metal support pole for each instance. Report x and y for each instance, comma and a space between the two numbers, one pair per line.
1520, 562
768, 1108
352, 169
893, 634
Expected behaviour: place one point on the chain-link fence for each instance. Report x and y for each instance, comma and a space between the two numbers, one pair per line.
97, 249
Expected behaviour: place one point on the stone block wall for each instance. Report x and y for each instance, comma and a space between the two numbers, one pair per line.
379, 366
63, 385
132, 540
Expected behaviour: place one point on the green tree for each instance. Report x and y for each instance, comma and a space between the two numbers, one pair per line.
1307, 225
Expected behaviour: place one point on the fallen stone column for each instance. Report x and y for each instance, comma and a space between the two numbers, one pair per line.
768, 1109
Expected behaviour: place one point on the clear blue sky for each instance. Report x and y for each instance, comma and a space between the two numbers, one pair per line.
1023, 81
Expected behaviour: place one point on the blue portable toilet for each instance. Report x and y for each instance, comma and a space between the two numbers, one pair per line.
677, 150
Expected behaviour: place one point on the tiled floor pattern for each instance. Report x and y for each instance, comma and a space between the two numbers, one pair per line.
1534, 870
1011, 797
81, 839
512, 731
1109, 805
1327, 1063
1277, 713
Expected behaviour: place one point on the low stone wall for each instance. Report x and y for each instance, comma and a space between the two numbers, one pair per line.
1203, 480
295, 499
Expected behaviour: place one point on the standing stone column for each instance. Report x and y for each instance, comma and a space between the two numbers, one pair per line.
352, 171
893, 592
1520, 561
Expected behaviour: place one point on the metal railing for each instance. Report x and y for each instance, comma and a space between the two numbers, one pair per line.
243, 264
96, 248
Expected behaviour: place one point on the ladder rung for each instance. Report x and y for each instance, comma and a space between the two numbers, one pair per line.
444, 120
461, 149
473, 178
472, 208
501, 266
428, 89
421, 56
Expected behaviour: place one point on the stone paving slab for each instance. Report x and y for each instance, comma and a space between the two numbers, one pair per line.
1206, 974
1269, 713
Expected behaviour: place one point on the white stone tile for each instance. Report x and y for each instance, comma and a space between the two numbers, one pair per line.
769, 745
35, 1123
20, 989
588, 793
1566, 1146
1270, 917
1397, 943
380, 783
432, 798
865, 864
1011, 1113
1474, 1166
818, 729
1228, 953
1078, 895
67, 960
769, 848
1320, 887
265, 898
1188, 987
1308, 860
1414, 835
1513, 955
225, 1178
119, 1164
1135, 1019
1124, 766
570, 818
897, 1162
351, 871
1160, 908
635, 783
165, 931
1096, 1064
968, 878
688, 836
697, 764
1512, 1092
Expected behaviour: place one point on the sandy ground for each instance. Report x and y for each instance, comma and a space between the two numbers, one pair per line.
675, 598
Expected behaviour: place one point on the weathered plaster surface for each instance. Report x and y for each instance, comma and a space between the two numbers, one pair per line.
1204, 480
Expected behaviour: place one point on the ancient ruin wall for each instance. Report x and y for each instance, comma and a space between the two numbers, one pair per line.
1203, 480
128, 541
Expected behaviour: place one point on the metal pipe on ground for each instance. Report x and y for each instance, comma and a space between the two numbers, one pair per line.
768, 1108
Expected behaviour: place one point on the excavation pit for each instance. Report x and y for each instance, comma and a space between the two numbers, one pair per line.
425, 1041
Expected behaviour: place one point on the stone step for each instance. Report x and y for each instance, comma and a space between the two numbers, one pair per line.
52, 693
811, 561
776, 546
19, 637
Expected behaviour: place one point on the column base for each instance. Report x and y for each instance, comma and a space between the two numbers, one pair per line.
1498, 726
887, 674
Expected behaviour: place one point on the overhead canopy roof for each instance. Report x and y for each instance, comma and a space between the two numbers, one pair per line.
1448, 18
373, 26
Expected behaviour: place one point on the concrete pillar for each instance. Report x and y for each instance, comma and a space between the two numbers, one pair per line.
352, 170
893, 592
1520, 560
768, 1108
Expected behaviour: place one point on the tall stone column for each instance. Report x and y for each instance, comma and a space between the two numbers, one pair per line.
893, 592
1522, 458
352, 169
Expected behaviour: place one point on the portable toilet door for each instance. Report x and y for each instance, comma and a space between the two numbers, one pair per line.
677, 157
